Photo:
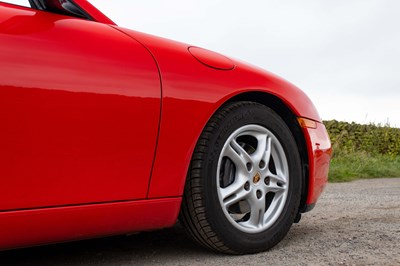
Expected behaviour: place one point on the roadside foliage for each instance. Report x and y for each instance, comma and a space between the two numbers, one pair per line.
363, 151
372, 139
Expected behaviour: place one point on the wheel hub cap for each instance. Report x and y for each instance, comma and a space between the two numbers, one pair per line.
256, 178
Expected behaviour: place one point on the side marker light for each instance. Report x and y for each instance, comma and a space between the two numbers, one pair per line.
307, 123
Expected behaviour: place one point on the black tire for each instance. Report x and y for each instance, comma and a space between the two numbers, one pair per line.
202, 213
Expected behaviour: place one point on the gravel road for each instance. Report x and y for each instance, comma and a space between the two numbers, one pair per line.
355, 223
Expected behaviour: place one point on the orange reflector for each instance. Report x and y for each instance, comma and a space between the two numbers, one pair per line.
306, 123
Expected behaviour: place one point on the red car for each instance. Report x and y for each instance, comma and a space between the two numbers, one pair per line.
105, 131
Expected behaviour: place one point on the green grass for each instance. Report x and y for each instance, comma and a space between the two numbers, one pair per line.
357, 165
363, 151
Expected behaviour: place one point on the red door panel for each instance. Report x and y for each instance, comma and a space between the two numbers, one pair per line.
79, 112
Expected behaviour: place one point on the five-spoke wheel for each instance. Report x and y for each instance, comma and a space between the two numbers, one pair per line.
252, 178
243, 188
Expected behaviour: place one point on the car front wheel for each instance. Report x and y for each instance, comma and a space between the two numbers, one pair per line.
244, 183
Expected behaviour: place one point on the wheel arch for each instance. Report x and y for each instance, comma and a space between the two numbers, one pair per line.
290, 119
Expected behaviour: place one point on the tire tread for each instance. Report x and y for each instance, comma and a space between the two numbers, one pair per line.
194, 217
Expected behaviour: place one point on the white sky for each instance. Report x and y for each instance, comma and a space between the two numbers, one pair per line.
345, 54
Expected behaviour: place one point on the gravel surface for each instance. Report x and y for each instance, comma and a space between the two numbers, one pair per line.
355, 223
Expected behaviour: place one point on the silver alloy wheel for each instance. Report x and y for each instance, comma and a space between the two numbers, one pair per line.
252, 178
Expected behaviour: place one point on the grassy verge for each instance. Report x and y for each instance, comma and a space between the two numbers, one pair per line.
351, 166
363, 151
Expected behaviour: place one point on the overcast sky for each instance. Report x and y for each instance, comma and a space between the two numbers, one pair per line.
345, 54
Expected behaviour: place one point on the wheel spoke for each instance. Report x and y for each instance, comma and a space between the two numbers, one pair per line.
261, 178
234, 188
263, 147
238, 155
277, 183
235, 198
257, 212
268, 152
278, 178
273, 207
273, 187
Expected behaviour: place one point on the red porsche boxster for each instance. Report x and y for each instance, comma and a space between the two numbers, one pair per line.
106, 131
